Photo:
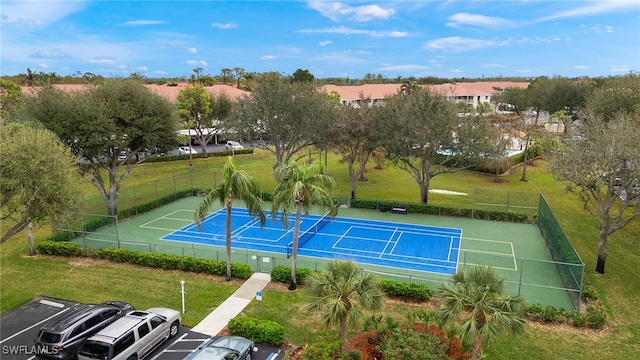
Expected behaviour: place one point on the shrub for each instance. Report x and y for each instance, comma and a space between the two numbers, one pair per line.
410, 344
578, 320
257, 330
282, 274
62, 248
595, 318
405, 289
323, 350
550, 314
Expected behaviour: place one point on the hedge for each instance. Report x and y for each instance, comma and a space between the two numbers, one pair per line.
444, 211
257, 330
148, 259
282, 274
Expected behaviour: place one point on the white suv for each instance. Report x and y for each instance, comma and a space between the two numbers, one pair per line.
133, 336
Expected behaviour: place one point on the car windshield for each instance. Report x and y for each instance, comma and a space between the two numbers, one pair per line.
95, 350
50, 338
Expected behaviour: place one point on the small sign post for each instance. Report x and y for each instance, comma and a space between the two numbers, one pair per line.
259, 295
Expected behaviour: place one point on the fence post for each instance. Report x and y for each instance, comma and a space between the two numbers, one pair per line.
175, 189
473, 203
156, 184
117, 230
508, 200
191, 179
135, 201
521, 271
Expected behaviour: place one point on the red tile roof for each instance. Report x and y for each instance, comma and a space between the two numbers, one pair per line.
168, 92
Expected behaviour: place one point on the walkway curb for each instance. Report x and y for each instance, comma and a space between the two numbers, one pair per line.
218, 319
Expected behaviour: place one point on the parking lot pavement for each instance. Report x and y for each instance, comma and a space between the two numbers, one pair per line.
19, 327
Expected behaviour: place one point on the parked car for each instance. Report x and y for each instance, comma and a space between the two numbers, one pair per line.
61, 338
133, 336
122, 155
224, 348
185, 150
233, 145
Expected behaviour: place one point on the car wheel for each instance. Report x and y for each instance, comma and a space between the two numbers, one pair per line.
248, 357
173, 330
133, 357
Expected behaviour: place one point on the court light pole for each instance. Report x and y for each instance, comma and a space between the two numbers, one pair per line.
182, 293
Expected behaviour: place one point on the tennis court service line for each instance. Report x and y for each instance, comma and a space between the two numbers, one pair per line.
389, 241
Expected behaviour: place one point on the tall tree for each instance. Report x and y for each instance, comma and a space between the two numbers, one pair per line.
236, 184
355, 137
478, 294
424, 136
303, 76
604, 170
39, 179
239, 75
343, 294
118, 115
291, 116
202, 112
298, 189
226, 75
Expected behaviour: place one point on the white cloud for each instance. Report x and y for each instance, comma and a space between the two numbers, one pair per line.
143, 22
493, 66
581, 67
225, 25
102, 61
53, 54
325, 43
478, 20
457, 43
337, 11
403, 68
620, 68
268, 57
609, 29
456, 71
338, 58
37, 13
43, 65
594, 8
197, 63
192, 50
160, 72
358, 52
350, 31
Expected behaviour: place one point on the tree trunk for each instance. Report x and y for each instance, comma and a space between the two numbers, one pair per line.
32, 248
294, 251
352, 180
476, 353
602, 251
343, 329
112, 202
424, 193
228, 238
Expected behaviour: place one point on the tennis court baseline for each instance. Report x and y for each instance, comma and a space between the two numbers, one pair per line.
406, 246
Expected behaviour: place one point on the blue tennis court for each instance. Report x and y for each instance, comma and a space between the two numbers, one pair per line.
407, 246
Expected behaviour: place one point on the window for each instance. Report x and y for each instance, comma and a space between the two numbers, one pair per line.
77, 331
109, 313
122, 344
50, 338
143, 330
155, 322
92, 321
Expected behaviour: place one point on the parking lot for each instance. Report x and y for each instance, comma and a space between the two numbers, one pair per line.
19, 327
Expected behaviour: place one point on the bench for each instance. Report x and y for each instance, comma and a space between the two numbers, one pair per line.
399, 209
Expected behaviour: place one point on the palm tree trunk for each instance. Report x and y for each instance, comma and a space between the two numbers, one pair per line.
228, 237
294, 252
476, 353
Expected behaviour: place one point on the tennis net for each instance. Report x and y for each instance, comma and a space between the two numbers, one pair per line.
309, 233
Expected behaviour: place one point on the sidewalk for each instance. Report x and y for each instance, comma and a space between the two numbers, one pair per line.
220, 316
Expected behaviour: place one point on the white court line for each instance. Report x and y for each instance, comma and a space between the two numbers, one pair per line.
396, 244
388, 242
450, 248
341, 255
34, 325
513, 254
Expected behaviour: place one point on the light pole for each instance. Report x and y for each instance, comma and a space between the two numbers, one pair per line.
182, 293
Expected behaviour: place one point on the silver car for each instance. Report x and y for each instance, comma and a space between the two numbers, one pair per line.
225, 348
133, 336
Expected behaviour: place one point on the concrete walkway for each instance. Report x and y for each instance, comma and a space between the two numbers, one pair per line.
220, 316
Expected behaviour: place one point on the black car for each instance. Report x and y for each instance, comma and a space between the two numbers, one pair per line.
61, 338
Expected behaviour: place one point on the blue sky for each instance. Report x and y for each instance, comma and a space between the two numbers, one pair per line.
329, 38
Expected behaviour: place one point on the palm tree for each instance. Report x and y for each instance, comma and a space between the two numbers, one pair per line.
342, 292
299, 188
479, 293
236, 185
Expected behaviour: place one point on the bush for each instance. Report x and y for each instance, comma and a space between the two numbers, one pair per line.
550, 314
324, 350
578, 320
61, 248
257, 330
282, 274
405, 289
596, 318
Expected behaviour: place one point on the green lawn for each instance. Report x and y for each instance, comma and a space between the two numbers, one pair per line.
23, 277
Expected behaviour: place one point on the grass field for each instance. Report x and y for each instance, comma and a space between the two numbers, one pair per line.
23, 277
